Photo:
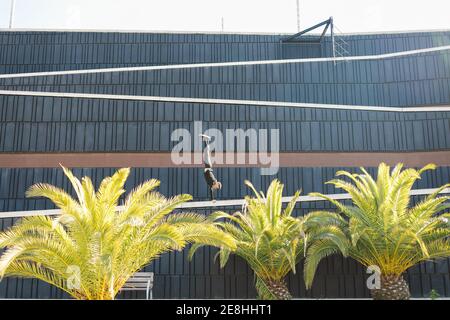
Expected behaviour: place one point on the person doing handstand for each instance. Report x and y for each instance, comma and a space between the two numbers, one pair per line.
211, 181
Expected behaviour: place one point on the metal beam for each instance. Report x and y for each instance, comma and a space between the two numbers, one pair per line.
290, 38
11, 14
324, 31
217, 204
333, 45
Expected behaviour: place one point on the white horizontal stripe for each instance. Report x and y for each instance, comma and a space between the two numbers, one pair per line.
222, 101
209, 204
224, 64
200, 32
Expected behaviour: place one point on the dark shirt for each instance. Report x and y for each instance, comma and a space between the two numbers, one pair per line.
209, 177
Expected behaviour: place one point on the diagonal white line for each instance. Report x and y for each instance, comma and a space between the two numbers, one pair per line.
217, 204
224, 64
442, 108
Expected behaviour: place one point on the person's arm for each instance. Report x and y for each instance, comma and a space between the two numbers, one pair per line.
211, 194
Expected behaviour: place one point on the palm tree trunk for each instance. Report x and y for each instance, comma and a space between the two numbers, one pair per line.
392, 288
280, 290
272, 290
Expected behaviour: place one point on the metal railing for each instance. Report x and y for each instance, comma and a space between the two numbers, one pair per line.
220, 203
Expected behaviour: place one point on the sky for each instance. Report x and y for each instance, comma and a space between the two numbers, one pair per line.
270, 16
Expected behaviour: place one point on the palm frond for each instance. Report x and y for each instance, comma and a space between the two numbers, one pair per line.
380, 228
267, 236
92, 237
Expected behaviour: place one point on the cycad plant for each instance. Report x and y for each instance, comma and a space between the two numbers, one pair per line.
269, 238
383, 230
93, 246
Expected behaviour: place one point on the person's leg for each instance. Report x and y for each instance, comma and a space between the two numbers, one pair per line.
207, 155
209, 177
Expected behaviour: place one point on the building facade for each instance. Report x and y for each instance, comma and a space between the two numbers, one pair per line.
387, 100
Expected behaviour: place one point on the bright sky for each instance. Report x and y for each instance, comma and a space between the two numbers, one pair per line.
239, 15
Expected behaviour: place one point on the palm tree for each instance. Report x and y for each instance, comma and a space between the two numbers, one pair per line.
382, 230
269, 238
94, 246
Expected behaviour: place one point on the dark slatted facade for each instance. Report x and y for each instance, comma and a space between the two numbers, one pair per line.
48, 124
